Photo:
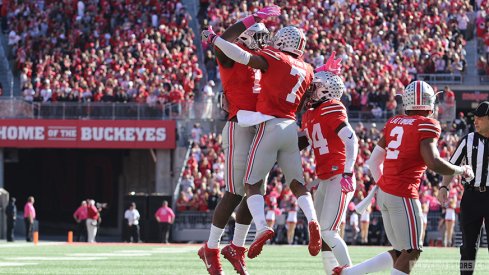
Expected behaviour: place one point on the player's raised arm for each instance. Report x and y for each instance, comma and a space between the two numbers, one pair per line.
231, 50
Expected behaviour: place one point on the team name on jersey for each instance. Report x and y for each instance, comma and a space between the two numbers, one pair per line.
296, 62
403, 121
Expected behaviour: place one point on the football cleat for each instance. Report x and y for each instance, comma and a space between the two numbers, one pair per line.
211, 259
337, 270
260, 240
314, 238
236, 256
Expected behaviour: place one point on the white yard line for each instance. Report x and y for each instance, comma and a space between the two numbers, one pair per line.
3, 264
55, 258
3, 245
109, 254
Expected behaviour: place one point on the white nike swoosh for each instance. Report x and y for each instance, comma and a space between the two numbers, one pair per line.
206, 263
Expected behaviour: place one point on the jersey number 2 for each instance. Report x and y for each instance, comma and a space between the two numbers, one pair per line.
292, 96
318, 140
392, 152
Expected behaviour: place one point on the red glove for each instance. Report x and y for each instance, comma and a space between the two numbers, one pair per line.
346, 183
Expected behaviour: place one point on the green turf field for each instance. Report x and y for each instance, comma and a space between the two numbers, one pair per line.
59, 258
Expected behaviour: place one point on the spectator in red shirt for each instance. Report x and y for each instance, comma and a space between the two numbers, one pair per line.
80, 217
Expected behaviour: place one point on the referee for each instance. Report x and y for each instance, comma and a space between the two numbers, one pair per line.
473, 150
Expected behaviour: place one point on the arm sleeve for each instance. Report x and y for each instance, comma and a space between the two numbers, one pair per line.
233, 51
376, 162
350, 140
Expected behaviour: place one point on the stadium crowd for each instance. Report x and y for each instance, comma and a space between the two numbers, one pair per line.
203, 181
125, 51
381, 51
107, 50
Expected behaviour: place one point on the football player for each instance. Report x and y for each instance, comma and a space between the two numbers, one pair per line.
285, 79
408, 146
335, 147
241, 88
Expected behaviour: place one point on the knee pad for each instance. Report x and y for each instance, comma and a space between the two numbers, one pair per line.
330, 237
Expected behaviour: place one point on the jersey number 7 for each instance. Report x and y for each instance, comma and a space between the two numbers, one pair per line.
292, 96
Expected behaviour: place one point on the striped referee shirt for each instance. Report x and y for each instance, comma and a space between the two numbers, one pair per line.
473, 150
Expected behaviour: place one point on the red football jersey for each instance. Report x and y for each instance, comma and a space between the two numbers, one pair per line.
320, 125
241, 85
283, 84
403, 164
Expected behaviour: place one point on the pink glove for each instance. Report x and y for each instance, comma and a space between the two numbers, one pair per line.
268, 12
208, 35
332, 65
468, 174
346, 184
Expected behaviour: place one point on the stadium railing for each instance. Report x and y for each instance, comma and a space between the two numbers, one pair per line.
176, 192
484, 79
441, 78
18, 108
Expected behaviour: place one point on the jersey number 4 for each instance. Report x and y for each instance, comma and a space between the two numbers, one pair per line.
292, 96
392, 152
318, 141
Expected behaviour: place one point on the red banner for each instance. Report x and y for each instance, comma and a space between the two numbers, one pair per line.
136, 134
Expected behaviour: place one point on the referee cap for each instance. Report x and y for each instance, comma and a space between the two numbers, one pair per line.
482, 109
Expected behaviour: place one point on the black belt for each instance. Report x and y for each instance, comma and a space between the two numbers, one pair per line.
475, 188
233, 119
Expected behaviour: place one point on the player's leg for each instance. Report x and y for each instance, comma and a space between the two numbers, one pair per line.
407, 222
209, 253
289, 160
230, 200
235, 251
382, 261
334, 206
261, 158
235, 168
327, 256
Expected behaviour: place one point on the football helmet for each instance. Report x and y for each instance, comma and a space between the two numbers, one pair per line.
326, 85
417, 96
290, 39
255, 37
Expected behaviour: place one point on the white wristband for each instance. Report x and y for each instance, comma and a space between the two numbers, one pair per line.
459, 170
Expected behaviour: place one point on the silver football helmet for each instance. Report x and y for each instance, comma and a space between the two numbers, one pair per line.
327, 85
418, 95
255, 37
290, 39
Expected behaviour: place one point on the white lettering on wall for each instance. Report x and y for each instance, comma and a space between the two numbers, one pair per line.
144, 134
21, 133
